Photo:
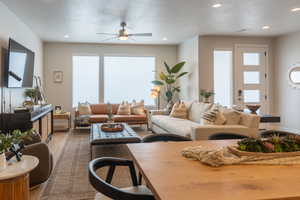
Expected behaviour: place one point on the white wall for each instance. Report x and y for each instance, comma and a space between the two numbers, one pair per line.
12, 27
287, 99
58, 56
188, 52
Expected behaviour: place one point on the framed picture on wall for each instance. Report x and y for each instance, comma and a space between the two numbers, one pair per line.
57, 76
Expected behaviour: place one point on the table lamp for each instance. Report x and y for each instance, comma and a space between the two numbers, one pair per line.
155, 94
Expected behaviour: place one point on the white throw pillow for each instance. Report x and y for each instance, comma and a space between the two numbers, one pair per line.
197, 109
137, 108
124, 109
84, 109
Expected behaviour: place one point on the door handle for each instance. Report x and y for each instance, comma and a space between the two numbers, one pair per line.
240, 92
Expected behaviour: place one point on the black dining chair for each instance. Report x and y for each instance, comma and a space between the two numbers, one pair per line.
136, 192
165, 137
270, 133
226, 136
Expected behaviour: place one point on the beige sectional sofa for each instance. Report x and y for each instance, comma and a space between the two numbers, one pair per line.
161, 122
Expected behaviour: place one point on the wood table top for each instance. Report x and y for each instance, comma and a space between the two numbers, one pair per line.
171, 176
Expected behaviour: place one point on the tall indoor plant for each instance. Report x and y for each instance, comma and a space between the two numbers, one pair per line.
168, 79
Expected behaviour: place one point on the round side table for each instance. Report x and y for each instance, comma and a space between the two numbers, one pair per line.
14, 180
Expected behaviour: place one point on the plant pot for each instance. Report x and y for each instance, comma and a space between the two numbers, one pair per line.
206, 100
3, 163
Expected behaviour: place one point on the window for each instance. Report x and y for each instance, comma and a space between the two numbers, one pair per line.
85, 79
251, 59
128, 78
223, 77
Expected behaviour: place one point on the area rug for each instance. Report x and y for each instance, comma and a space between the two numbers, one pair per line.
69, 179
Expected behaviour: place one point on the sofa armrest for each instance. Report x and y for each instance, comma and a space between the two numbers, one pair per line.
159, 112
42, 172
250, 120
203, 132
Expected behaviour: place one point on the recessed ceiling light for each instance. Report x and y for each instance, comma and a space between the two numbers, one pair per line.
66, 36
165, 38
266, 27
217, 5
295, 9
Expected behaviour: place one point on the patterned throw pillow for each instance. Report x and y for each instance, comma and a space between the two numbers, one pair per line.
179, 110
124, 109
233, 117
84, 109
213, 116
137, 108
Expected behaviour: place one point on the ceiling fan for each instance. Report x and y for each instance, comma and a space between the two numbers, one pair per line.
124, 35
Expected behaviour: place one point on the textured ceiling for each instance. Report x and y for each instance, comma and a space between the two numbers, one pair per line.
176, 20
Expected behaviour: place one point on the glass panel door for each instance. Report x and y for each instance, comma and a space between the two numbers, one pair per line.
250, 77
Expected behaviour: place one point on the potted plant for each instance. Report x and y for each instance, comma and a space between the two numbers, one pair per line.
206, 94
6, 142
32, 94
169, 79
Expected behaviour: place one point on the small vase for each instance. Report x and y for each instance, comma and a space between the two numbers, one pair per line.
3, 163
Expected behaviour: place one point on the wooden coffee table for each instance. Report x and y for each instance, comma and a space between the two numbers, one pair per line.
99, 137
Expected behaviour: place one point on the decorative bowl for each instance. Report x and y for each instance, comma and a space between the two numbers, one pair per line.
253, 108
112, 127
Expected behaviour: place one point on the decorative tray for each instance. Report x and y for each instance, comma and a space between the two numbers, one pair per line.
112, 127
236, 151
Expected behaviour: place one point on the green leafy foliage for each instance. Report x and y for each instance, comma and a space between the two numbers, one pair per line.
206, 93
270, 145
177, 67
156, 82
16, 137
31, 93
169, 79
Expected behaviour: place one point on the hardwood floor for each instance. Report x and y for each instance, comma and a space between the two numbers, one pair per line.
56, 145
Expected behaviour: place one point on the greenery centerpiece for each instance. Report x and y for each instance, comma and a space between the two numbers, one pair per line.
274, 144
206, 94
168, 79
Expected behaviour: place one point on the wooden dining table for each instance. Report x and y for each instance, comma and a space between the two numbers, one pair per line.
170, 176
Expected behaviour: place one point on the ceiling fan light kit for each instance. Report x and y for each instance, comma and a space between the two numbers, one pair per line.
124, 35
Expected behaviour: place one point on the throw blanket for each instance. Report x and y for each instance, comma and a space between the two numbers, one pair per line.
223, 156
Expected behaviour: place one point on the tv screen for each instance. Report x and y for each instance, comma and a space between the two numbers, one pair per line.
20, 66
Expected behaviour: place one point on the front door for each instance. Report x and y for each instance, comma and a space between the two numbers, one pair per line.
251, 76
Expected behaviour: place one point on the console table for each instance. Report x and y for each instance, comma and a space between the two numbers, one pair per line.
39, 119
269, 119
14, 180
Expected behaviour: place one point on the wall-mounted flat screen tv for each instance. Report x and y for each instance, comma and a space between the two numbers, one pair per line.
20, 66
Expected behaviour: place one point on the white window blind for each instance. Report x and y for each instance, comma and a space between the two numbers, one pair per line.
128, 78
85, 79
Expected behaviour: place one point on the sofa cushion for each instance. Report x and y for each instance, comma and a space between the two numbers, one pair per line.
101, 108
177, 126
137, 108
233, 117
124, 109
98, 118
197, 109
179, 110
129, 118
84, 109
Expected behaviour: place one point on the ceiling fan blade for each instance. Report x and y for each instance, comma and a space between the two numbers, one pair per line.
106, 34
141, 34
108, 39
